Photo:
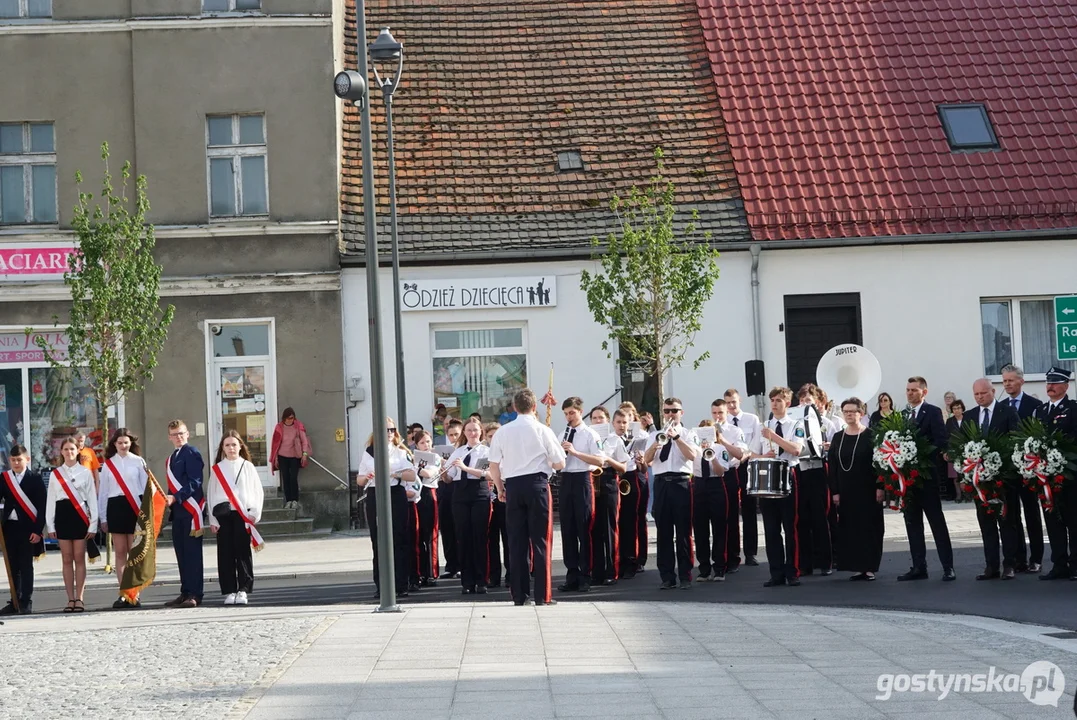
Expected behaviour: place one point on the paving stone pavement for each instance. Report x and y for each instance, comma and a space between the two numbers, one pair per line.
595, 660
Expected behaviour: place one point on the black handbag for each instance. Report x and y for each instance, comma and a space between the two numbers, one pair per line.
221, 510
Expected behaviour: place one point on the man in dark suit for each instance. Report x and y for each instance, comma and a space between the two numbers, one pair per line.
925, 500
1060, 413
185, 472
1029, 557
22, 493
995, 417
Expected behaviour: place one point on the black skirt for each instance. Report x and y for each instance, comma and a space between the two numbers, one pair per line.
69, 524
121, 518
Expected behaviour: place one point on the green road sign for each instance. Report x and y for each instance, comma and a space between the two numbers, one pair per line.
1066, 326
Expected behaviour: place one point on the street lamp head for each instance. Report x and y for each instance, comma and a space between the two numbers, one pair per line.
385, 48
349, 85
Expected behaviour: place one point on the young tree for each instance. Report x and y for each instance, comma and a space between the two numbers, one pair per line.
117, 325
655, 278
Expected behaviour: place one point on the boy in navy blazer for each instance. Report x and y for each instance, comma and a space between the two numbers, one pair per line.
22, 492
185, 472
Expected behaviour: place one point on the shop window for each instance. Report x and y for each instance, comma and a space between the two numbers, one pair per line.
1019, 331
62, 404
479, 370
240, 340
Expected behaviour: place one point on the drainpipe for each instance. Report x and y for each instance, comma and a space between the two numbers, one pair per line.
757, 322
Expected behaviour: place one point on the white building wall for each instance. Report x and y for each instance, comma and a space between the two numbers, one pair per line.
920, 307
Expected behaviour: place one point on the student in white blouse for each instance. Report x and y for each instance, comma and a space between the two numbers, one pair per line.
232, 508
471, 507
71, 518
120, 498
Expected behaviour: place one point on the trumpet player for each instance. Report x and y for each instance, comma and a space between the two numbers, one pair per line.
634, 492
577, 498
604, 535
642, 497
671, 454
709, 505
732, 441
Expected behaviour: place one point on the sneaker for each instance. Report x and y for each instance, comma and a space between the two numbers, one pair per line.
703, 577
230, 599
718, 577
241, 598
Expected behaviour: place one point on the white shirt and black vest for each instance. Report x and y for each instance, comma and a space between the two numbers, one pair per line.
675, 462
525, 447
586, 441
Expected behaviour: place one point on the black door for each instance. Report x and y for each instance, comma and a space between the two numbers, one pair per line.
813, 325
639, 385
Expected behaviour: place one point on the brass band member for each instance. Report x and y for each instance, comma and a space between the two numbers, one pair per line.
471, 508
577, 498
746, 509
604, 535
782, 437
671, 453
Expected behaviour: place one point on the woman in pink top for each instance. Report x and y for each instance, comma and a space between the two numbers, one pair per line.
288, 453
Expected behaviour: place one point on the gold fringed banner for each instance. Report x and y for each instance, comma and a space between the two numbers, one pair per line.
141, 566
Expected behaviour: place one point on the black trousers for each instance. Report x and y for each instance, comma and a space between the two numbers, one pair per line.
447, 526
188, 554
498, 537
413, 541
921, 501
1028, 499
673, 522
709, 514
643, 540
21, 555
780, 518
628, 526
604, 538
398, 511
529, 519
577, 508
471, 511
427, 547
749, 509
235, 564
289, 477
370, 506
813, 529
994, 528
731, 484
1062, 530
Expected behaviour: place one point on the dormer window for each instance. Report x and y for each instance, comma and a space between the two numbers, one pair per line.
968, 127
569, 161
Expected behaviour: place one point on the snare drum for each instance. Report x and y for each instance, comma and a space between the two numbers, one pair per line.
769, 478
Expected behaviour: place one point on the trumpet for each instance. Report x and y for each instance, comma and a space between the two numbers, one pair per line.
624, 487
662, 439
708, 454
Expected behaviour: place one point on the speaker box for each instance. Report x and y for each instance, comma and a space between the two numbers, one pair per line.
754, 380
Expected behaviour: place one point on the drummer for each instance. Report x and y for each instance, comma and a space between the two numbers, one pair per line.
782, 438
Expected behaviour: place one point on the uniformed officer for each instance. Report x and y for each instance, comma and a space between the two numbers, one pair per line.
521, 455
746, 509
672, 509
813, 529
1060, 413
783, 438
577, 499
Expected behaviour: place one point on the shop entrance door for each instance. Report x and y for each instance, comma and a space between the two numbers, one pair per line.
246, 403
11, 412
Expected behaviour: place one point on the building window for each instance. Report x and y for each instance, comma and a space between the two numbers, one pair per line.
238, 179
27, 173
967, 127
25, 8
479, 369
569, 161
211, 6
1020, 331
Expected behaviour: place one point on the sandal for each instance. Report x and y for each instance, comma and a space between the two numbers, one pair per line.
79, 606
70, 607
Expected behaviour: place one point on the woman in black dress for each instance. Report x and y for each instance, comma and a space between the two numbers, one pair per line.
852, 484
886, 406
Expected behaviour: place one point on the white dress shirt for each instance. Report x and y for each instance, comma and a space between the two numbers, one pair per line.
525, 446
399, 461
18, 481
133, 469
676, 462
990, 411
586, 441
748, 424
478, 452
614, 448
430, 482
80, 481
792, 431
734, 436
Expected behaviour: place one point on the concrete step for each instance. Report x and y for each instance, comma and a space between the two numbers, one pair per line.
276, 514
272, 528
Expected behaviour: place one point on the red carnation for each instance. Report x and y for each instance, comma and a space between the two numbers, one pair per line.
914, 474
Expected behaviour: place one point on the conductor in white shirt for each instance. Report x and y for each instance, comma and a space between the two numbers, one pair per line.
522, 454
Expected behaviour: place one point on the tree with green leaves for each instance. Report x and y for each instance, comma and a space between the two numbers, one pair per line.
117, 325
655, 278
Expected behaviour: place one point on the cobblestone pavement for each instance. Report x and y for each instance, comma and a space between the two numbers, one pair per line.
585, 659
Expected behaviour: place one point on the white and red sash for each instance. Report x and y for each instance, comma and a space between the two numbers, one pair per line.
256, 539
192, 506
123, 484
66, 487
20, 496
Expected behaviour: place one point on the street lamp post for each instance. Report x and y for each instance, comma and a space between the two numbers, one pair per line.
386, 49
351, 85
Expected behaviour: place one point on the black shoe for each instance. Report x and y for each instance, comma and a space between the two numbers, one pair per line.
493, 586
584, 587
1033, 568
545, 602
609, 581
732, 569
827, 572
913, 574
668, 585
628, 574
120, 604
750, 561
568, 587
401, 593
413, 587
8, 609
428, 582
987, 574
804, 573
948, 575
481, 590
792, 582
686, 584
859, 576
519, 603
377, 594
1055, 574
467, 591
1021, 567
26, 608
774, 582
1008, 574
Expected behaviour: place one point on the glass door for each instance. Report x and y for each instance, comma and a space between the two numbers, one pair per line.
11, 409
244, 405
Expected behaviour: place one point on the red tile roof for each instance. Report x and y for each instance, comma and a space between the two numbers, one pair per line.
831, 107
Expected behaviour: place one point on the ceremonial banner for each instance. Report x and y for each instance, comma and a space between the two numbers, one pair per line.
141, 566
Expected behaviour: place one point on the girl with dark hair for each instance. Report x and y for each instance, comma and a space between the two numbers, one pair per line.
123, 480
234, 495
71, 518
289, 451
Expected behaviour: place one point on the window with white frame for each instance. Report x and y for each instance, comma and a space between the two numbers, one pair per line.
1020, 331
27, 173
238, 177
25, 9
209, 6
479, 369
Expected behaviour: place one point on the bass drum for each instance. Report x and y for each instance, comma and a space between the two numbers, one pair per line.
769, 478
